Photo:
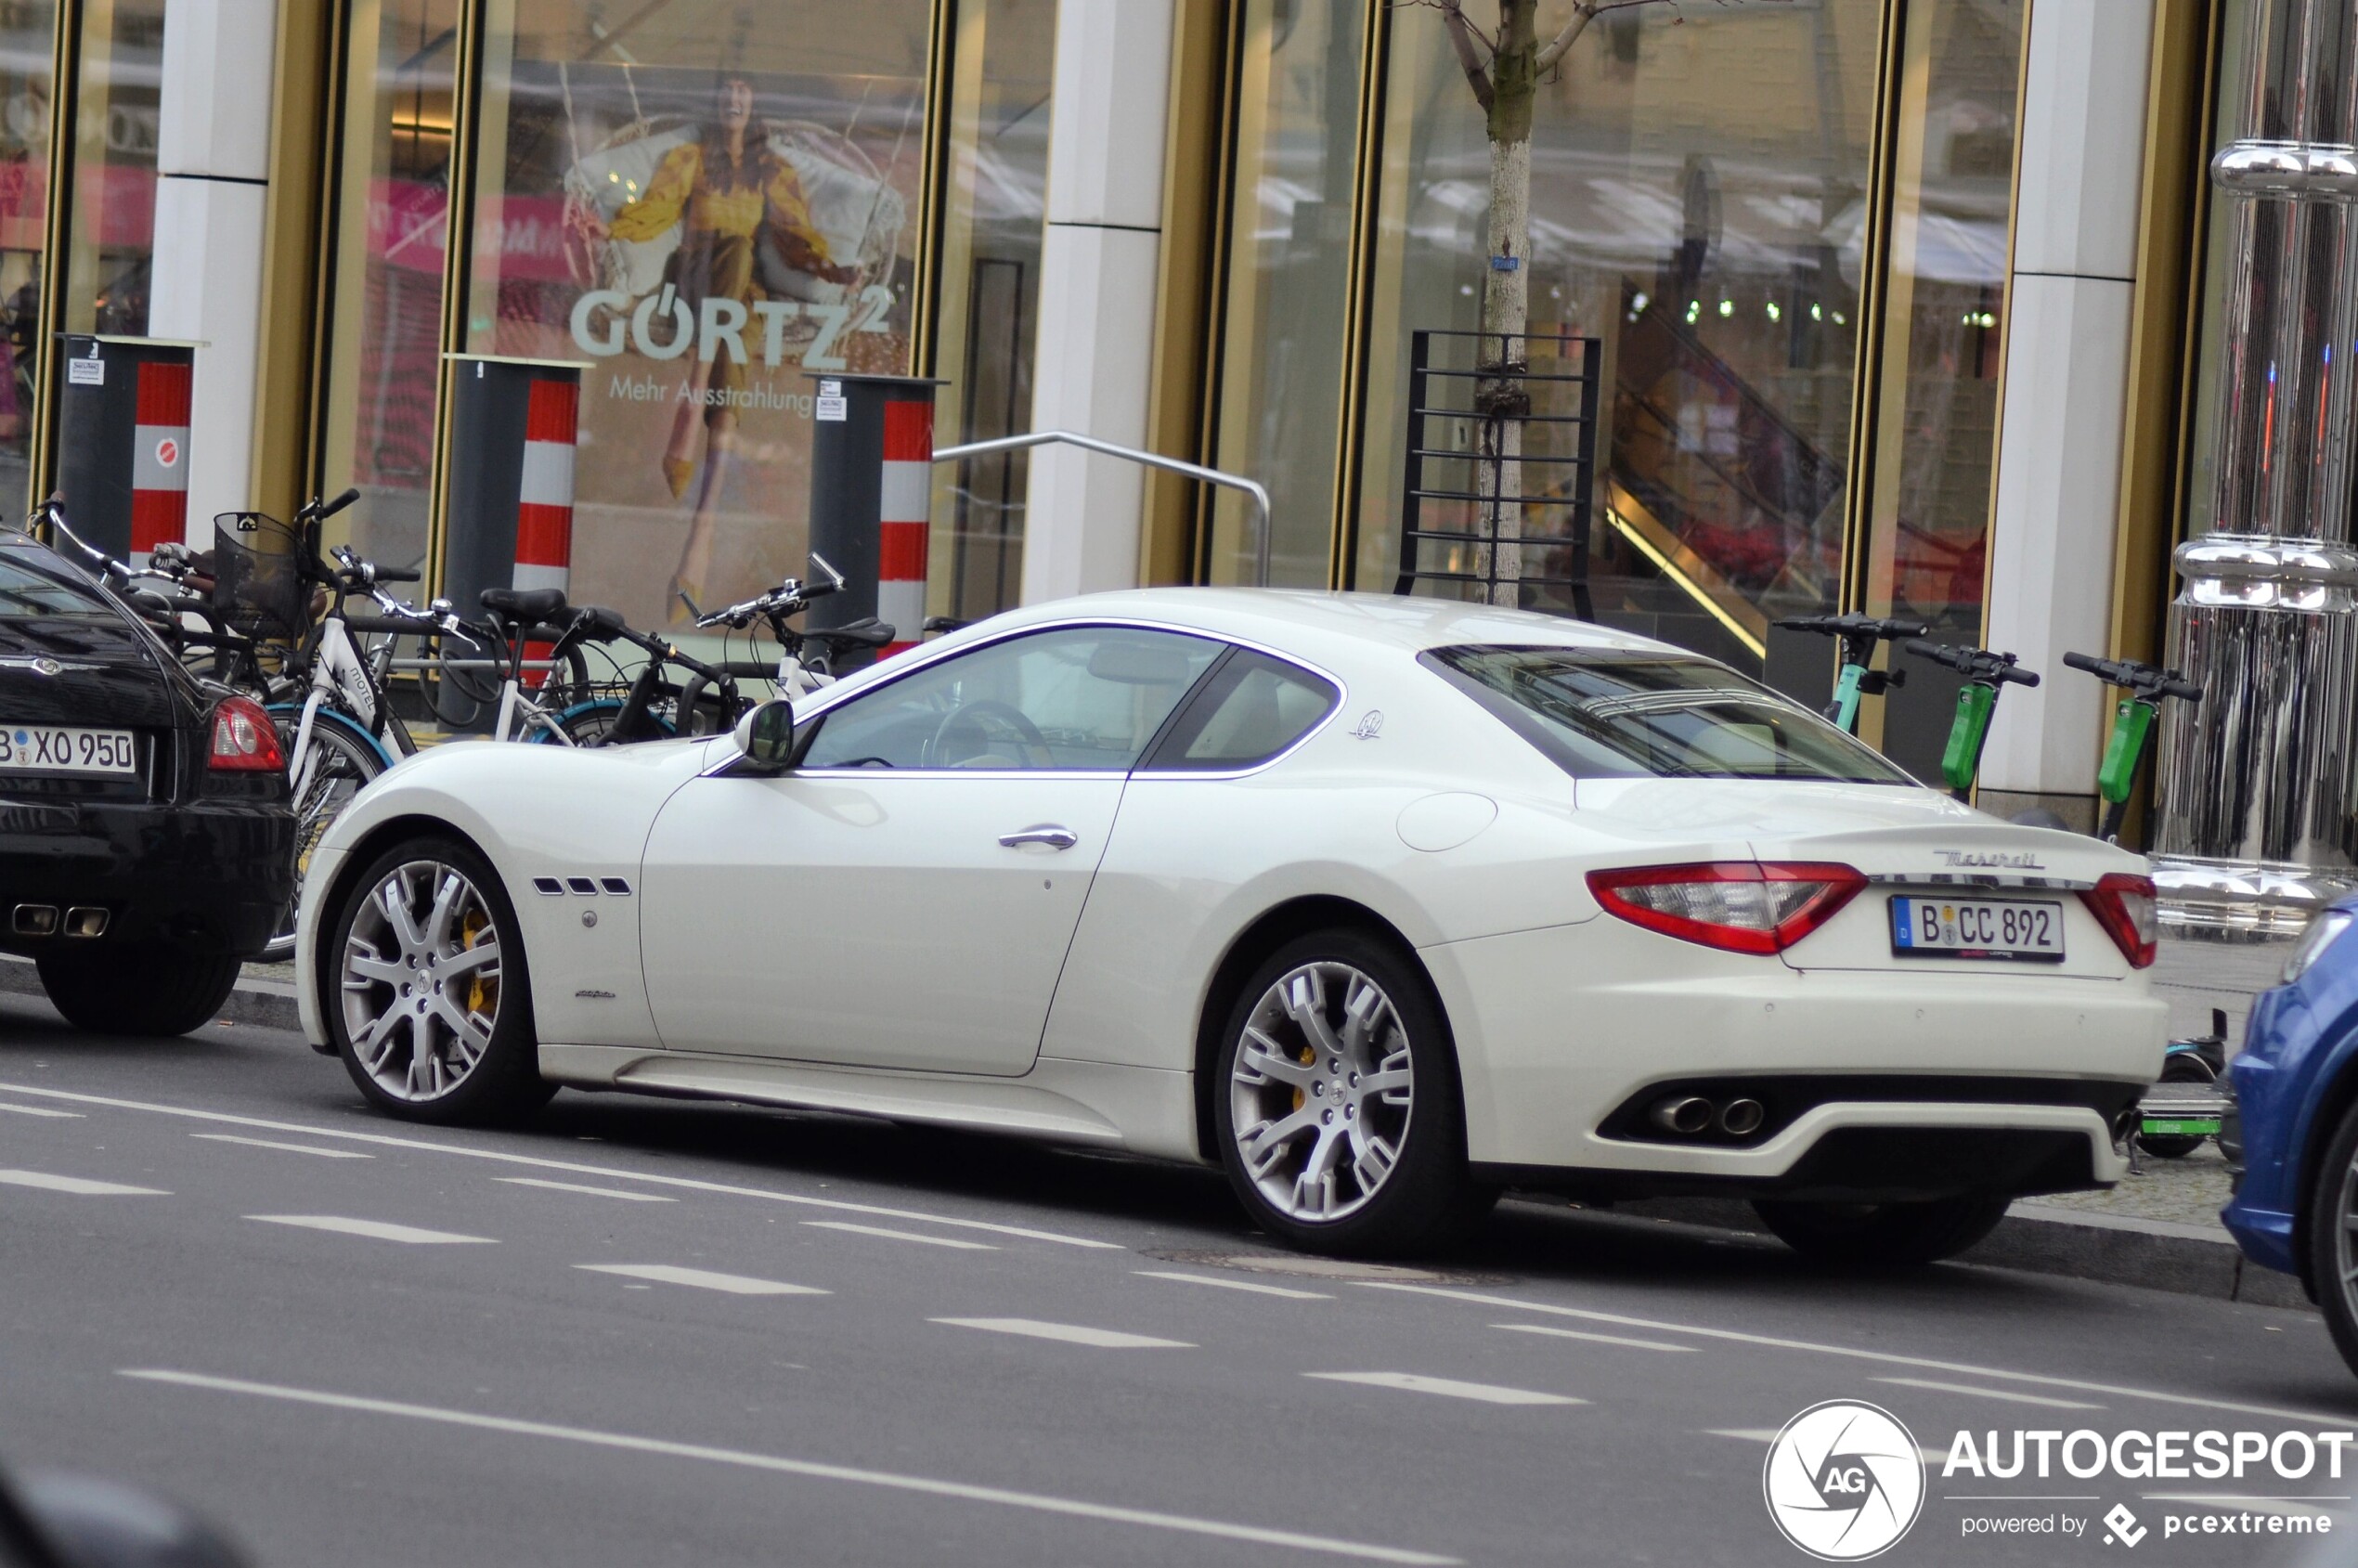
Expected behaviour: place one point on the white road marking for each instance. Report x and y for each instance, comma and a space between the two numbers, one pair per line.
1070, 1334
42, 1111
1416, 1382
593, 1191
1886, 1359
290, 1149
1555, 1333
1993, 1393
77, 1184
703, 1279
902, 1235
376, 1230
2292, 1507
777, 1464
1768, 1435
686, 1183
1290, 1295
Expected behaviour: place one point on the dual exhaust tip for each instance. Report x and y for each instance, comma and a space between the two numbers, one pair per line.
49, 920
1691, 1116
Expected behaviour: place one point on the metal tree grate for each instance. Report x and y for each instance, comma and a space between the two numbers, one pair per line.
1453, 508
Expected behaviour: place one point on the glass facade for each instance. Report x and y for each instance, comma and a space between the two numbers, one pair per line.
114, 167
27, 28
705, 212
1002, 54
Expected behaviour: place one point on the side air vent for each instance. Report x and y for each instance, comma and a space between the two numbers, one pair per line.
581, 885
548, 885
616, 886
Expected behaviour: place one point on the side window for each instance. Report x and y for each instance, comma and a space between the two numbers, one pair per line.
1087, 699
1252, 710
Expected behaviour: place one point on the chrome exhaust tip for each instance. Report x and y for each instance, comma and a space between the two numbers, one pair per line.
1683, 1114
34, 920
86, 921
1741, 1119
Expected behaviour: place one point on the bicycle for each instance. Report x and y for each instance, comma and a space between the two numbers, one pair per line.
799, 672
1859, 634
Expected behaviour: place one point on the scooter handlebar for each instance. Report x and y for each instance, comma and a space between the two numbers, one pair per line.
2146, 681
1974, 663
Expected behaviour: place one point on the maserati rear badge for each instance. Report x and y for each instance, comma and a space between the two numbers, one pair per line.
1368, 727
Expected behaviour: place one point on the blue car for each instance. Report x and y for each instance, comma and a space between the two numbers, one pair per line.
2296, 1207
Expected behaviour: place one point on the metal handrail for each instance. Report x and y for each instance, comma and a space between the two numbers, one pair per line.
1149, 459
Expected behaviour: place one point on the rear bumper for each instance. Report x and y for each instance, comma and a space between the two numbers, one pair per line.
1560, 1029
211, 877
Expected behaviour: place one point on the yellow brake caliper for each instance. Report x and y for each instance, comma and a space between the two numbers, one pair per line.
482, 995
1309, 1059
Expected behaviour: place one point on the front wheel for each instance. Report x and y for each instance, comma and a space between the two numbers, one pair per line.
2332, 1232
342, 763
1337, 1102
1881, 1235
146, 991
425, 991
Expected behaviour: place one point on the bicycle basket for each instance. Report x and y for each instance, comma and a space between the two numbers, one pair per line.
258, 585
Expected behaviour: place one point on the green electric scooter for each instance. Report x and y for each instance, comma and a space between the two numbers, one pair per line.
2132, 723
1860, 633
1985, 673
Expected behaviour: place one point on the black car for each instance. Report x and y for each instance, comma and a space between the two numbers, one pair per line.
145, 840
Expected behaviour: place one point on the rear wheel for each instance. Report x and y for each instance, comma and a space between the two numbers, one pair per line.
2332, 1227
342, 766
144, 989
428, 1000
1337, 1103
1881, 1235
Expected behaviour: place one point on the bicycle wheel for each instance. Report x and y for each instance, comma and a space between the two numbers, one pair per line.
343, 762
591, 723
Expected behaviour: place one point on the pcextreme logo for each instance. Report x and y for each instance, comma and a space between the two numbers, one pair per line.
1844, 1480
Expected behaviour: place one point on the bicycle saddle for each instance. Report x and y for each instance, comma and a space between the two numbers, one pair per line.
866, 632
526, 605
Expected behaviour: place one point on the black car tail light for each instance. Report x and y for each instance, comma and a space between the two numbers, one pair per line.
244, 740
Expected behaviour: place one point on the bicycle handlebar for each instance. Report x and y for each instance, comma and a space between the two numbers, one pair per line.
2148, 683
1974, 664
1856, 623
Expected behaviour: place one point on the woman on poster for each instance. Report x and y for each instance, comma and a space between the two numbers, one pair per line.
725, 188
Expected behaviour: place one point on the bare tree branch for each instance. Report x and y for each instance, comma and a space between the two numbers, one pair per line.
1474, 50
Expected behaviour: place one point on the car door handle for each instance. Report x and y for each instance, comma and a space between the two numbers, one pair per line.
1046, 833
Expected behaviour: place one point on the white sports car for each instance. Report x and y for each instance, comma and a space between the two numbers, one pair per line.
1379, 903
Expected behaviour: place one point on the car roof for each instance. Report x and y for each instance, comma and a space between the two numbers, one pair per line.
1296, 619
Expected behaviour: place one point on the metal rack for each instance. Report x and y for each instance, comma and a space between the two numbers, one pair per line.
1452, 508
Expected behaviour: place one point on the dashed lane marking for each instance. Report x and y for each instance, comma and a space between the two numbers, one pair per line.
1068, 1333
42, 1111
902, 1235
1555, 1333
78, 1186
1037, 1502
375, 1230
1258, 1289
593, 1191
703, 1279
289, 1148
689, 1183
1879, 1358
2008, 1394
1769, 1434
1450, 1388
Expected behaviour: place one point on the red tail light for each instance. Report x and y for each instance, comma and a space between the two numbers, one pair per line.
2123, 905
1739, 906
244, 739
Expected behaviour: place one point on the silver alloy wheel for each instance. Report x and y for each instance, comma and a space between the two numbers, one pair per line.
2345, 1222
1323, 1070
421, 981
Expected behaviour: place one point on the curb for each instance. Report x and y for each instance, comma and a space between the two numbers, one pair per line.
2035, 1237
267, 1003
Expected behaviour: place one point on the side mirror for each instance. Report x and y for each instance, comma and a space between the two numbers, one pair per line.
766, 736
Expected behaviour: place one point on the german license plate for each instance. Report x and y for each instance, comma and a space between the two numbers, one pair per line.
65, 748
2021, 931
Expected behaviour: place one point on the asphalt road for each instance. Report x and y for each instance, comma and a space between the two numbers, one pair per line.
638, 1332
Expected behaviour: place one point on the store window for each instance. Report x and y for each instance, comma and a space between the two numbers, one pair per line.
27, 30
391, 234
1699, 192
1001, 62
705, 201
1281, 339
113, 218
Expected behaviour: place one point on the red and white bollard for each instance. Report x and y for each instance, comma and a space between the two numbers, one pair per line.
160, 458
906, 502
544, 505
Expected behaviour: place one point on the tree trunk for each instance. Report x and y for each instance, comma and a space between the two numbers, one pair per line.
1501, 394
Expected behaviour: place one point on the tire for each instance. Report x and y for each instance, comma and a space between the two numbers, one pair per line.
2333, 1249
142, 990
591, 723
428, 1030
346, 762
1391, 1174
1882, 1234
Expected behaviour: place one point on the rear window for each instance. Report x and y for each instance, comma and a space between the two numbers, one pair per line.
26, 595
1252, 708
1602, 713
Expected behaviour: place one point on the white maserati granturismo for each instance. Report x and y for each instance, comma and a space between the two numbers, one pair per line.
1380, 904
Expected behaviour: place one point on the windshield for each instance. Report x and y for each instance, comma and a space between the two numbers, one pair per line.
1602, 713
26, 595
